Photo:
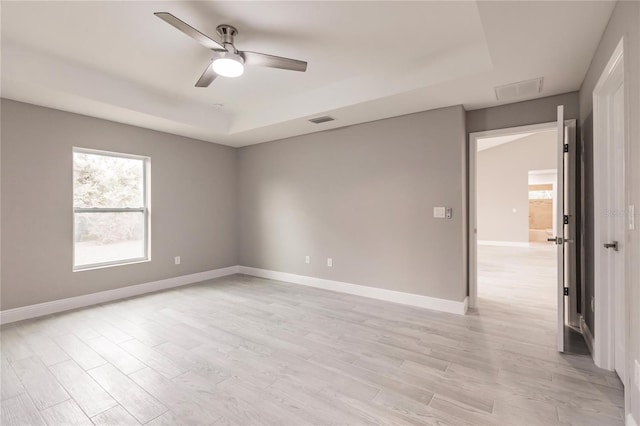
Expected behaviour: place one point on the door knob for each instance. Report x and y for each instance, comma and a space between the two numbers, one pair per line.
613, 245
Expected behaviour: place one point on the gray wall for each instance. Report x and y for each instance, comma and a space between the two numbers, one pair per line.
542, 110
503, 184
625, 21
364, 196
193, 201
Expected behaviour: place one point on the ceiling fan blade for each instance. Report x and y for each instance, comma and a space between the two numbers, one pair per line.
263, 60
189, 30
207, 77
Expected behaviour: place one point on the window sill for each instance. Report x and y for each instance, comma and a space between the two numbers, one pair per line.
110, 265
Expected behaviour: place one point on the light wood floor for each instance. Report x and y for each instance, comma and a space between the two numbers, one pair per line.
247, 351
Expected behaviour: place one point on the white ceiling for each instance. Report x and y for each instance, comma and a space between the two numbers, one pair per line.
492, 142
367, 60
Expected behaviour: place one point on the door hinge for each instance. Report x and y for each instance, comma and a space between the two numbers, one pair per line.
566, 291
566, 147
566, 219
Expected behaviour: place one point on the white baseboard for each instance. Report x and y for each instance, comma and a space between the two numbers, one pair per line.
46, 308
588, 336
503, 243
630, 420
432, 303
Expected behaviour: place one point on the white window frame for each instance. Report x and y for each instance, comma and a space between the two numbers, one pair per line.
144, 209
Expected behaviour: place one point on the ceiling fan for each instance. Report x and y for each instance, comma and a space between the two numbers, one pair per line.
227, 60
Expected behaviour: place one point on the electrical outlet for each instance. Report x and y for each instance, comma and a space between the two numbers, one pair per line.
637, 375
329, 262
177, 260
307, 259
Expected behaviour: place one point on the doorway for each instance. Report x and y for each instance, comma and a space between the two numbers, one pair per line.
512, 193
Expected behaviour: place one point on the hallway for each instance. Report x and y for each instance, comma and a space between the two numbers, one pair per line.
519, 282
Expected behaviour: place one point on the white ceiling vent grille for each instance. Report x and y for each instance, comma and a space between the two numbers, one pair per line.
522, 89
322, 119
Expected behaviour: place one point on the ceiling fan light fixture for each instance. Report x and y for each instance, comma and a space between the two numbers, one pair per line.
228, 64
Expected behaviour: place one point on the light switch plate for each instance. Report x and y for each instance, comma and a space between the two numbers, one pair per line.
439, 212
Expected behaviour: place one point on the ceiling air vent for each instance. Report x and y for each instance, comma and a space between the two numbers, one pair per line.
522, 89
323, 119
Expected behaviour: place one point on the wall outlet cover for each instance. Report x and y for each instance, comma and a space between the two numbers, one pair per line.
329, 262
307, 259
177, 260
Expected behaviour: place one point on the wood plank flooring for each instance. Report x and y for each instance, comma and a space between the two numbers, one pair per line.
247, 351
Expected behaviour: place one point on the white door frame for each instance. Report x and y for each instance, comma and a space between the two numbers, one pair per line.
604, 306
473, 195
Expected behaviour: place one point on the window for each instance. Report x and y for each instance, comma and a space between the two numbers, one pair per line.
541, 194
110, 209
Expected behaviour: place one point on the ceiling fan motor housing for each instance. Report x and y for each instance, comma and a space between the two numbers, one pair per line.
227, 33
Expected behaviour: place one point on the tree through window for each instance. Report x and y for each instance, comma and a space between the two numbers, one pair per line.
110, 211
